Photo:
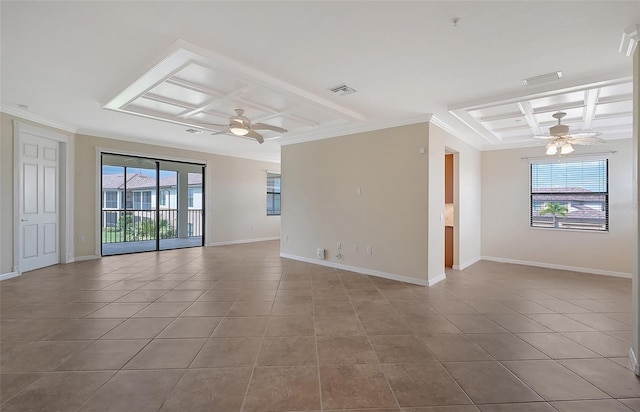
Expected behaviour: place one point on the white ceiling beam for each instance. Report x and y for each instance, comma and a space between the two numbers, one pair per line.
590, 102
527, 112
503, 116
177, 81
167, 100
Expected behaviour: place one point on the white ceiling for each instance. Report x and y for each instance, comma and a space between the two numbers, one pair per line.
67, 60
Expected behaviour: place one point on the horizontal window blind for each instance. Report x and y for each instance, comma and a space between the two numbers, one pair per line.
570, 195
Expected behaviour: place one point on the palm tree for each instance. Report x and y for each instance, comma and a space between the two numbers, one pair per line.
555, 209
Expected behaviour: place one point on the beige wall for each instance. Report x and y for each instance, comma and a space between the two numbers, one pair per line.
505, 215
398, 211
236, 193
320, 206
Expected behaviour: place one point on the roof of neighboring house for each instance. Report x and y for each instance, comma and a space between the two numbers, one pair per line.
194, 179
140, 181
562, 190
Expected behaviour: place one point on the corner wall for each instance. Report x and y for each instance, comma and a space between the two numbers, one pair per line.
506, 234
397, 212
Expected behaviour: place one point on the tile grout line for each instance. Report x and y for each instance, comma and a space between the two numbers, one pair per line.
255, 362
379, 365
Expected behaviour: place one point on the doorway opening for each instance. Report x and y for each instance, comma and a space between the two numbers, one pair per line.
449, 207
150, 204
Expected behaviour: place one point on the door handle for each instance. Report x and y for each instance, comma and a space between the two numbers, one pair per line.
24, 220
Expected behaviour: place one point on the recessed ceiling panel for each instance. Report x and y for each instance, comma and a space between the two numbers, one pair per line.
208, 79
188, 96
573, 115
609, 109
491, 112
156, 106
557, 100
623, 89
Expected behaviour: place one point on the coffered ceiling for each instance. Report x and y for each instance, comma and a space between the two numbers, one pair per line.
149, 71
605, 107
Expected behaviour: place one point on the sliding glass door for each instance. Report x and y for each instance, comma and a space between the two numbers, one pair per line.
150, 204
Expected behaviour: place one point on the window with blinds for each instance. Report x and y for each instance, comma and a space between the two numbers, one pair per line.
273, 194
570, 195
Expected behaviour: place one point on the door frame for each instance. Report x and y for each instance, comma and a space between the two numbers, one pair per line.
65, 199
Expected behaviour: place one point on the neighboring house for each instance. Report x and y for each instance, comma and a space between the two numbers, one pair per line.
140, 199
584, 208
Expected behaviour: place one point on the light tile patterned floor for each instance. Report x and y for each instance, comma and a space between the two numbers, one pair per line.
237, 328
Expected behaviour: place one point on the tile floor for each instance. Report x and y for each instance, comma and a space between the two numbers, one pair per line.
237, 328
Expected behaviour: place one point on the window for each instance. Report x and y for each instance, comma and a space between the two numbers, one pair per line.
142, 200
164, 194
273, 194
190, 198
570, 195
110, 200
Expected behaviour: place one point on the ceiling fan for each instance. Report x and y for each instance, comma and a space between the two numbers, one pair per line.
240, 125
560, 138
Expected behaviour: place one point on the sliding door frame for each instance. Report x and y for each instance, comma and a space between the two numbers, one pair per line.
157, 158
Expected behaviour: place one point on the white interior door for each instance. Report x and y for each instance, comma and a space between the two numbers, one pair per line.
39, 161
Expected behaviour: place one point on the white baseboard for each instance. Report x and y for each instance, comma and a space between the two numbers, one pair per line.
9, 275
238, 242
437, 279
364, 271
559, 267
88, 257
633, 360
467, 264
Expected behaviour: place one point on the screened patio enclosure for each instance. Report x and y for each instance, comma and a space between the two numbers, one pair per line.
150, 204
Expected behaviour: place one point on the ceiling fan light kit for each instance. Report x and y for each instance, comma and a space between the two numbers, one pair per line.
240, 125
560, 138
238, 129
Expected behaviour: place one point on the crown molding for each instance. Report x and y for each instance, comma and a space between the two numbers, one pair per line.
345, 130
455, 133
41, 120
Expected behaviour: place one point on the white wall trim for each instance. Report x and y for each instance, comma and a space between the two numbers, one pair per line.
349, 129
9, 275
437, 279
559, 267
635, 367
88, 257
364, 271
467, 263
238, 242
25, 115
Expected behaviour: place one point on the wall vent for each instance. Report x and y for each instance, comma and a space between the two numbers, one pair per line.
343, 90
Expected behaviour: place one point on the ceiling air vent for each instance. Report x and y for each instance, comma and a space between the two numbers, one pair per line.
193, 131
544, 78
343, 90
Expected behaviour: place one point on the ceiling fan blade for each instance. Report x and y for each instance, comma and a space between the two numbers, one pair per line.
585, 141
263, 126
212, 124
255, 135
544, 137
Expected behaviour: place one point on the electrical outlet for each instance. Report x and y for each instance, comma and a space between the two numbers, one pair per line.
339, 245
81, 239
286, 238
369, 250
355, 247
